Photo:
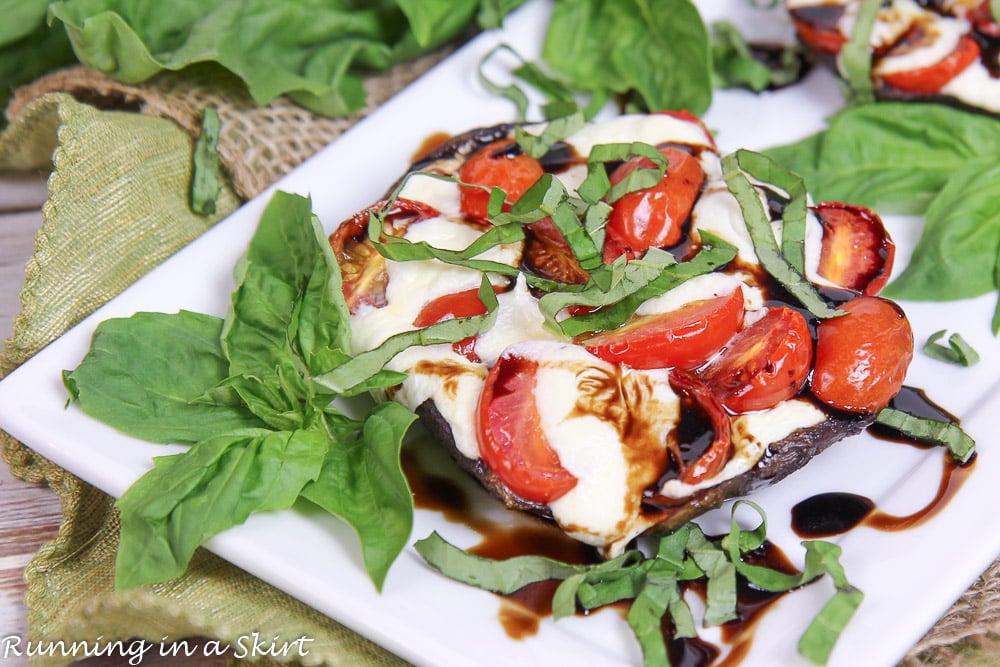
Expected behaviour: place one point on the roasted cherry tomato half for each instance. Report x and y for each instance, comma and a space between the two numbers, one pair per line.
459, 304
984, 21
511, 440
817, 28
765, 363
547, 254
362, 268
653, 217
857, 252
862, 357
714, 459
684, 338
500, 164
931, 79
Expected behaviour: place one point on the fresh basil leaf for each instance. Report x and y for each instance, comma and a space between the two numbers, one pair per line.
891, 155
492, 12
510, 91
537, 145
963, 221
206, 181
734, 64
187, 498
712, 559
314, 51
930, 431
157, 377
856, 54
667, 64
28, 47
817, 642
429, 18
362, 482
957, 352
771, 258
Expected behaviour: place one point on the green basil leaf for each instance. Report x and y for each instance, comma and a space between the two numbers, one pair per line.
645, 616
891, 155
28, 47
429, 18
510, 91
963, 221
712, 559
930, 431
759, 226
665, 38
157, 377
187, 498
957, 352
206, 181
537, 145
817, 642
362, 482
492, 12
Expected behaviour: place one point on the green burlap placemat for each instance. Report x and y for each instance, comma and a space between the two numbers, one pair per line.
117, 207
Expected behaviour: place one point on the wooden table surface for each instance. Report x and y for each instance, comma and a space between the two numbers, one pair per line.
30, 513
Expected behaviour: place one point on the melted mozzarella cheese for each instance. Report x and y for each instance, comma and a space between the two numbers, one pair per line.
518, 319
412, 285
443, 194
975, 86
707, 286
942, 35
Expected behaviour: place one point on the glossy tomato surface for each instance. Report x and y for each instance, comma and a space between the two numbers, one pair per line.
931, 79
862, 357
710, 463
684, 338
857, 252
363, 275
653, 217
765, 363
500, 164
511, 440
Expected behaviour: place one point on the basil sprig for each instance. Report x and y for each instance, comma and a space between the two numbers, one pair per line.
250, 394
653, 583
856, 54
785, 263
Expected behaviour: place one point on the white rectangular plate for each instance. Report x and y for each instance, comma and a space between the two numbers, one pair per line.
909, 578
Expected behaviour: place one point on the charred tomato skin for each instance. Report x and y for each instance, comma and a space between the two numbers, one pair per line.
862, 356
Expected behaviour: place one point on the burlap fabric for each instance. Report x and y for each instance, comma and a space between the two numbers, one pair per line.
120, 162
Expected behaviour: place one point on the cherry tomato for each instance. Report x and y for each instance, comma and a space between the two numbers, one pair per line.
511, 440
362, 268
862, 357
684, 338
500, 164
817, 28
547, 254
765, 363
653, 217
719, 452
857, 252
984, 21
931, 79
459, 304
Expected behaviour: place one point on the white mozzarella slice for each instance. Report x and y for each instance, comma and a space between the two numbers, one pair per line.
518, 319
942, 35
442, 194
699, 288
975, 86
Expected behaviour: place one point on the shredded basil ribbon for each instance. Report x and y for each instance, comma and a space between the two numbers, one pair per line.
958, 351
206, 180
856, 54
780, 266
930, 431
344, 379
653, 583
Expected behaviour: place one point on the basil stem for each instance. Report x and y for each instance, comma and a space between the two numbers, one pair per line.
759, 227
856, 54
958, 351
930, 431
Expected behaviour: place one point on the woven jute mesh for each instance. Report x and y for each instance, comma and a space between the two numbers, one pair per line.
69, 580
